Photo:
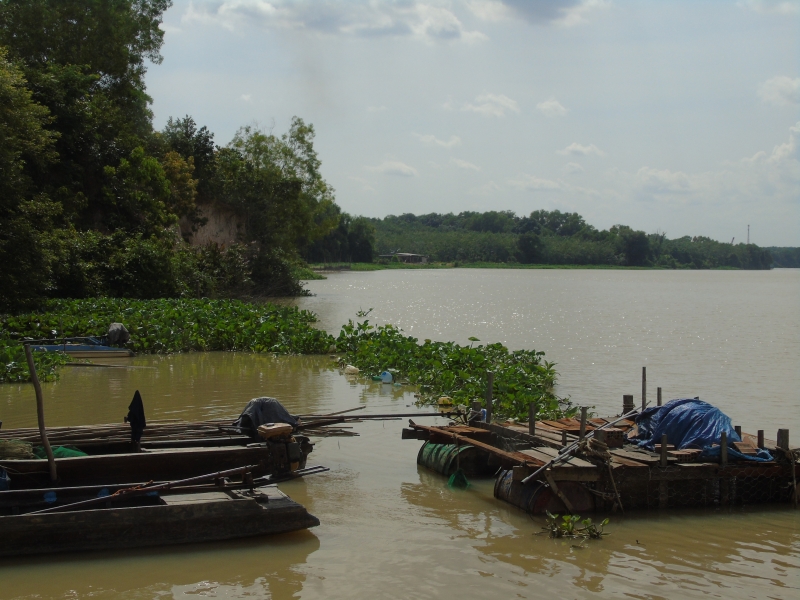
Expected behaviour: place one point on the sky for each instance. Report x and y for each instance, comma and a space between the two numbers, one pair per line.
668, 116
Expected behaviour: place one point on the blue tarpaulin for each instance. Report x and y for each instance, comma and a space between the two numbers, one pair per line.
689, 423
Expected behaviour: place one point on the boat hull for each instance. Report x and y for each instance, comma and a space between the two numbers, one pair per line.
176, 519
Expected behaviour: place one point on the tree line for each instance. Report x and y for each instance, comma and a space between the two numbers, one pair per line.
93, 200
554, 238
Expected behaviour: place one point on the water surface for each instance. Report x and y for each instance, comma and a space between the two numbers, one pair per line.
392, 530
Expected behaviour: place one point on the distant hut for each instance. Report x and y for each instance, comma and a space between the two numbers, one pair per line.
406, 257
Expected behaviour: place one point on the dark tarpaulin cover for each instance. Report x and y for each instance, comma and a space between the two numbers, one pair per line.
689, 423
260, 411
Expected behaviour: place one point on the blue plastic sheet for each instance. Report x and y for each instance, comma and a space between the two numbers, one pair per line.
690, 423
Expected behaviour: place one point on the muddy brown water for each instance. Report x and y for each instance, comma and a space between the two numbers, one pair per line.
392, 530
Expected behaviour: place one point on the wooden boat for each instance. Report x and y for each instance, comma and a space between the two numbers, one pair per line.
101, 518
167, 450
81, 347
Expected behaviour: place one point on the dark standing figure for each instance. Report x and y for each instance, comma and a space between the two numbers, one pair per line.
136, 419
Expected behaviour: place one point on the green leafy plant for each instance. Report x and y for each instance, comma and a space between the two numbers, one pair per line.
439, 369
567, 527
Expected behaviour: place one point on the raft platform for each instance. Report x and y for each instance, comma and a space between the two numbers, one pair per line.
610, 475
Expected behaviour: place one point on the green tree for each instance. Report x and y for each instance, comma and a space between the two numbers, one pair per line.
85, 60
26, 149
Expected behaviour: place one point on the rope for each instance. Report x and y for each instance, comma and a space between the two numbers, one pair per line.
591, 446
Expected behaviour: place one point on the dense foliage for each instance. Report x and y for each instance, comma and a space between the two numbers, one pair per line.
93, 200
787, 258
439, 369
553, 238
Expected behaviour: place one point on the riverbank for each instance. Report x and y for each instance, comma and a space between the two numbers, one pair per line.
317, 268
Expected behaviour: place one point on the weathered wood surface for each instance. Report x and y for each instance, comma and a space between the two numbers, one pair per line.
161, 465
177, 519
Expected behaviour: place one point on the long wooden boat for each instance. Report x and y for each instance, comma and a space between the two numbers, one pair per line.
200, 513
81, 347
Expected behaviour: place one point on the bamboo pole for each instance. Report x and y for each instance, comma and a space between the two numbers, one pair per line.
40, 413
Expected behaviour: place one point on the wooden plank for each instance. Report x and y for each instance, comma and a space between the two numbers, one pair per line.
535, 453
626, 462
438, 433
573, 460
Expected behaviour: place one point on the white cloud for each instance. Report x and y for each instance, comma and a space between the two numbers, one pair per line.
462, 164
780, 91
659, 181
566, 13
246, 97
552, 108
532, 183
489, 10
358, 18
487, 188
576, 149
365, 184
493, 105
572, 168
776, 7
394, 167
377, 109
432, 140
781, 152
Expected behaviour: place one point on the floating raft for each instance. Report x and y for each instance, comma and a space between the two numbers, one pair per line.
624, 476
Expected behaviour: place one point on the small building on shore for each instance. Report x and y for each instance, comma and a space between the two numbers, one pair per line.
406, 257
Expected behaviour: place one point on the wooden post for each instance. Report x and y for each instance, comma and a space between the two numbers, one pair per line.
563, 437
724, 483
658, 392
783, 439
663, 485
51, 461
644, 388
489, 392
738, 429
723, 449
532, 418
760, 438
584, 414
600, 436
627, 403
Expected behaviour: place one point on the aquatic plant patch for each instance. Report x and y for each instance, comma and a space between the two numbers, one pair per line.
521, 377
14, 366
163, 326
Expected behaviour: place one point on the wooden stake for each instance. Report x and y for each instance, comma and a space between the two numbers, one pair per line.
760, 438
584, 414
664, 450
783, 439
644, 388
658, 392
738, 429
723, 449
627, 403
40, 413
489, 392
532, 419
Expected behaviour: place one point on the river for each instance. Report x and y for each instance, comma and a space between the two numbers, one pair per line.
392, 530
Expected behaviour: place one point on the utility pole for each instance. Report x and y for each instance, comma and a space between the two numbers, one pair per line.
748, 235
